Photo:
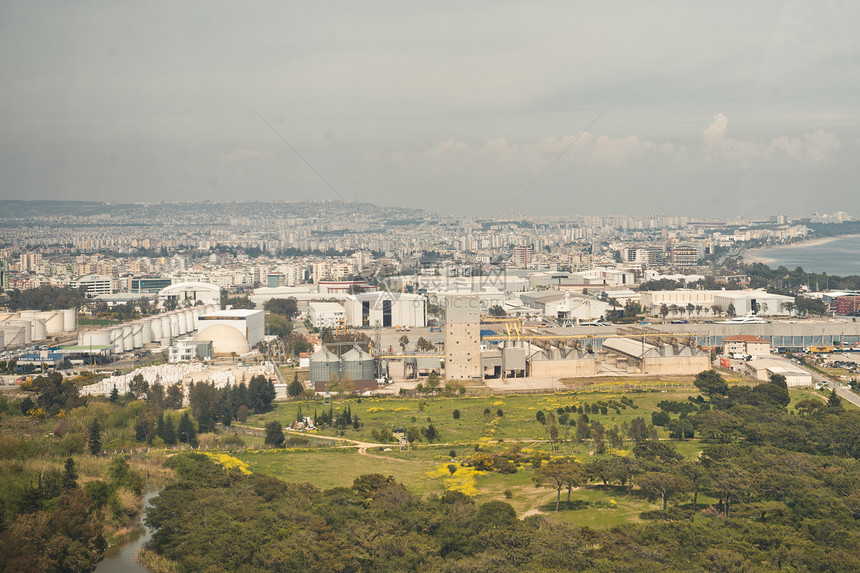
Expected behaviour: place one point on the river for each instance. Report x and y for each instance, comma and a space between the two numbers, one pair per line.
123, 558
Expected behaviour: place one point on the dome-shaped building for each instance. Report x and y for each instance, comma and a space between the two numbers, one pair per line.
225, 340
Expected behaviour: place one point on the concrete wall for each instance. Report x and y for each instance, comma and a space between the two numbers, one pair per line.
563, 368
677, 365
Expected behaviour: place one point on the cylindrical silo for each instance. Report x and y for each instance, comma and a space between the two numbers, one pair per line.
146, 326
70, 320
137, 335
189, 320
37, 330
183, 322
358, 365
115, 335
166, 332
322, 365
174, 325
155, 329
127, 338
53, 322
94, 338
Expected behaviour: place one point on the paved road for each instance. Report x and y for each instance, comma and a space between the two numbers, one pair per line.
841, 391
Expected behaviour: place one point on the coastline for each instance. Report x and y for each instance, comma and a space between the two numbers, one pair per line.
759, 255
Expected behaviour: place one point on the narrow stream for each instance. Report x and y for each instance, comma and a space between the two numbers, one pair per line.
123, 558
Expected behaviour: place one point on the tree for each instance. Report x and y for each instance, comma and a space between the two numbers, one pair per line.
114, 395
274, 434
664, 310
70, 475
560, 473
497, 311
430, 433
173, 400
186, 432
432, 383
663, 485
424, 345
730, 311
404, 342
456, 414
295, 388
138, 386
711, 383
169, 436
834, 402
286, 307
94, 437
540, 417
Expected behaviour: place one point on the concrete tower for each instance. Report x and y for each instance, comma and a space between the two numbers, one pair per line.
463, 338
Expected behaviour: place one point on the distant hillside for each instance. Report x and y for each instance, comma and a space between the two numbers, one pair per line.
27, 209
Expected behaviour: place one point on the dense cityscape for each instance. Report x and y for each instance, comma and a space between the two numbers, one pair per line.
497, 286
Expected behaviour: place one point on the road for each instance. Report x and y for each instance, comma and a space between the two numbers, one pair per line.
841, 391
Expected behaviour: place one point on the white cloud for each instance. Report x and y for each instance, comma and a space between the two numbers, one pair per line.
815, 146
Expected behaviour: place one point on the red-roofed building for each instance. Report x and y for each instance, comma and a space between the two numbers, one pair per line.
745, 344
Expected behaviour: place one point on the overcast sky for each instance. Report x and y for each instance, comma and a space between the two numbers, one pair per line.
695, 108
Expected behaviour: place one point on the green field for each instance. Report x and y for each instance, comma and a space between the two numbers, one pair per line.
423, 468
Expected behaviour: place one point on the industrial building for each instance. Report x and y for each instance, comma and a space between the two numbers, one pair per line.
757, 301
385, 309
463, 338
763, 369
231, 331
566, 305
326, 314
188, 349
190, 294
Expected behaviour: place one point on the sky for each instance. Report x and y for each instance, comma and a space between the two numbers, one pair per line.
704, 109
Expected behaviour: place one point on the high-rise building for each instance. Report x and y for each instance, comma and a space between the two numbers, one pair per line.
4, 275
523, 256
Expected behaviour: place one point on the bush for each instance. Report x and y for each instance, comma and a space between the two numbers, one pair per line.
500, 413
456, 414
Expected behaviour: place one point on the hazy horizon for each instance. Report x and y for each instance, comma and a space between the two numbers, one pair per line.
701, 110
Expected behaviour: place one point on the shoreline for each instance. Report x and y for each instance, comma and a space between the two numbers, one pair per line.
758, 255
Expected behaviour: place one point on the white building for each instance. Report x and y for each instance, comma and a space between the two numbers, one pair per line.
232, 331
94, 284
190, 292
745, 344
757, 301
326, 314
385, 309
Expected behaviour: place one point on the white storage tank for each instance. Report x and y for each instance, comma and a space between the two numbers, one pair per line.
174, 325
146, 330
94, 338
70, 320
189, 320
54, 322
38, 330
166, 329
183, 325
127, 338
155, 329
137, 335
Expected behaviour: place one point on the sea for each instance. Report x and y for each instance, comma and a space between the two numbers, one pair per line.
839, 257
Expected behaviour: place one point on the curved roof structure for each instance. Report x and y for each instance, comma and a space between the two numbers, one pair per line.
225, 339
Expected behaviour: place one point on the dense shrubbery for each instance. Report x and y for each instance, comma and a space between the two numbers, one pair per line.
378, 525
